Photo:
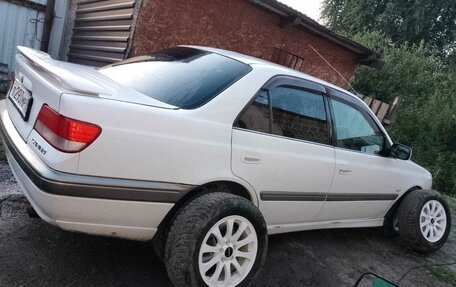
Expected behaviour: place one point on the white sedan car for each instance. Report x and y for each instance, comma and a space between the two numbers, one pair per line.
207, 152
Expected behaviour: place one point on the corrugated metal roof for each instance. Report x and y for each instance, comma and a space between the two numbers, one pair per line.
18, 27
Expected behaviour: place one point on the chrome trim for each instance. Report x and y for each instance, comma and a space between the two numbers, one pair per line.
60, 183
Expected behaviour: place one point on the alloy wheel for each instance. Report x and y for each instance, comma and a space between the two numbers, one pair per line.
433, 221
228, 252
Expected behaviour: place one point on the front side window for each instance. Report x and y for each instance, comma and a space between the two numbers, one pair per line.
299, 114
355, 130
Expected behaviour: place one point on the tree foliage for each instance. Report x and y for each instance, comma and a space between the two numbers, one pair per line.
409, 71
404, 21
427, 111
418, 42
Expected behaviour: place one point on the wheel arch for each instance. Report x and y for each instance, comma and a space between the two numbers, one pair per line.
228, 186
398, 202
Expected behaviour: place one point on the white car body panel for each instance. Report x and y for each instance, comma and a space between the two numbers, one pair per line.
283, 165
54, 158
87, 215
373, 173
44, 91
147, 142
351, 223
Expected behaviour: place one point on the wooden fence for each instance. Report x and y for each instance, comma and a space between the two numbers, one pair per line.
385, 112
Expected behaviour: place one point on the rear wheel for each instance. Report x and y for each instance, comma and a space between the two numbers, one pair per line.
218, 239
424, 220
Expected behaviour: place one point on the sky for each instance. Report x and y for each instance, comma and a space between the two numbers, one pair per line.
309, 7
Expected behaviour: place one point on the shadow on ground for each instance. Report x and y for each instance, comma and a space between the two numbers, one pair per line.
33, 253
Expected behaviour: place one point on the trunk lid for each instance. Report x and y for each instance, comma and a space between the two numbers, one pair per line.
40, 86
46, 79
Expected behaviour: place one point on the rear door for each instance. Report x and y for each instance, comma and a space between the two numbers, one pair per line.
280, 145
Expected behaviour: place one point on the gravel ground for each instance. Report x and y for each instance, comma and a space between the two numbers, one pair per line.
33, 253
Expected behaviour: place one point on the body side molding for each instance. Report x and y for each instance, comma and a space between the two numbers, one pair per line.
315, 196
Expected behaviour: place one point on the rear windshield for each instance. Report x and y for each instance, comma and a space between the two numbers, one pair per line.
183, 77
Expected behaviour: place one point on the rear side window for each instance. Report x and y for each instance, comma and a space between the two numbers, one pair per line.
183, 77
299, 114
296, 113
256, 116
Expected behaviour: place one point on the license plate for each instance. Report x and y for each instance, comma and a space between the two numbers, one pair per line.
21, 98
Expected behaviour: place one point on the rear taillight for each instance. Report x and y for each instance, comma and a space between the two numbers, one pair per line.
65, 134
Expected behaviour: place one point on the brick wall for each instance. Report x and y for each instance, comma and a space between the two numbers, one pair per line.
236, 25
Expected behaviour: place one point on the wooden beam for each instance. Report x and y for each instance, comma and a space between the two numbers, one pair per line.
367, 100
392, 112
47, 27
384, 107
375, 106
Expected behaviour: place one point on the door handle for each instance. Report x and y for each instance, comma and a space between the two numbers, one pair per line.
345, 170
250, 157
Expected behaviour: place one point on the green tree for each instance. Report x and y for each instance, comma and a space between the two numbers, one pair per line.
418, 41
409, 72
404, 21
427, 112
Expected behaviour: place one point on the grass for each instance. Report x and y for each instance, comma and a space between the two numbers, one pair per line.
444, 275
452, 203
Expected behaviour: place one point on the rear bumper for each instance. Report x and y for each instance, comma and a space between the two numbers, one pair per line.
95, 205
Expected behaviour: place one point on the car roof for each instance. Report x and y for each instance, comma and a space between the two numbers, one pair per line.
250, 60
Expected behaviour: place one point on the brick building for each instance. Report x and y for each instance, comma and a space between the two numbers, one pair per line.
111, 30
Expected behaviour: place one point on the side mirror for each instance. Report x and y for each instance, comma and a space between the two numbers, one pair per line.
400, 151
373, 280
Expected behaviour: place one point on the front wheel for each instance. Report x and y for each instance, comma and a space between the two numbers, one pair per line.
424, 220
218, 239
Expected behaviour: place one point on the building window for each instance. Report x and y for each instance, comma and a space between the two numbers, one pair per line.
287, 59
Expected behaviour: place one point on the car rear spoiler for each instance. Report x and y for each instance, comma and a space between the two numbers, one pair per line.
67, 79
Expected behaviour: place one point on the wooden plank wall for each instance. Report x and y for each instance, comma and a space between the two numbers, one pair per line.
385, 112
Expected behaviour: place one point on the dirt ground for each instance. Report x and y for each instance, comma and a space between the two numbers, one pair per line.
33, 253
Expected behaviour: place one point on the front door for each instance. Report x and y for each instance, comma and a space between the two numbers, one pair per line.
365, 182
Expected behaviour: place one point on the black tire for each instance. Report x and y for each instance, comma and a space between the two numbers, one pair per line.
159, 242
192, 224
409, 220
389, 229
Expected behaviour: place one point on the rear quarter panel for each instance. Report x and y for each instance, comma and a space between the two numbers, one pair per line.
148, 143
